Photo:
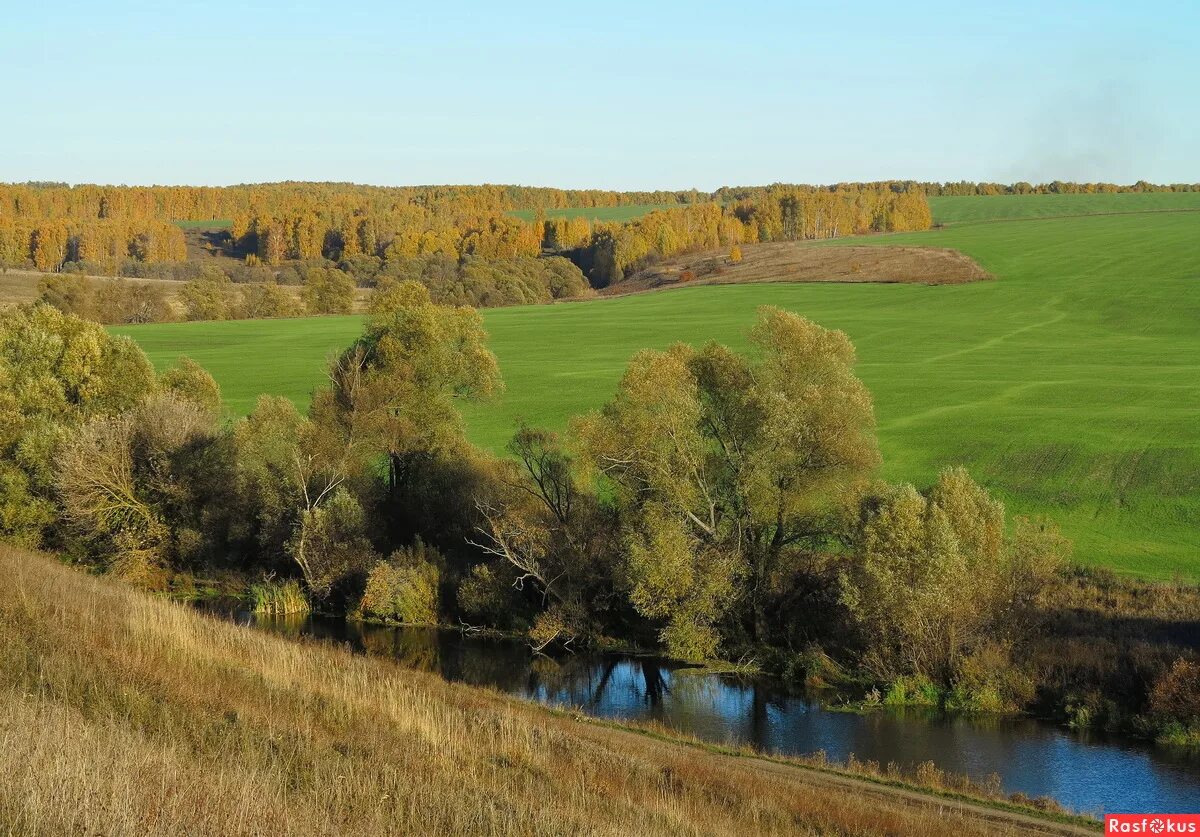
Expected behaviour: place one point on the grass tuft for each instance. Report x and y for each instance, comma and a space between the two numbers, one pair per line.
278, 599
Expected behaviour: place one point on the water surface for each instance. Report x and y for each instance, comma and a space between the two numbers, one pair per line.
1087, 773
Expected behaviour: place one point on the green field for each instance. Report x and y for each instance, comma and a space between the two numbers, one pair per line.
1071, 385
597, 213
962, 209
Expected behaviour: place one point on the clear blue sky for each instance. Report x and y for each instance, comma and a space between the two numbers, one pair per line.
607, 95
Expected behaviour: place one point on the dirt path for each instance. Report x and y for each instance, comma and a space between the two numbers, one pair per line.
980, 815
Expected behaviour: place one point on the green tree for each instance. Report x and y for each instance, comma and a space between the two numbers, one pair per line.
57, 372
330, 543
722, 464
328, 291
191, 381
211, 297
288, 472
395, 389
129, 486
934, 577
548, 528
267, 300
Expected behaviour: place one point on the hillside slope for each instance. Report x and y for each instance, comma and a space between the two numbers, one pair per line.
123, 714
804, 261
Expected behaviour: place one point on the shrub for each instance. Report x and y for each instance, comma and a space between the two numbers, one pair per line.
912, 691
486, 595
404, 588
735, 254
1177, 693
988, 681
1175, 705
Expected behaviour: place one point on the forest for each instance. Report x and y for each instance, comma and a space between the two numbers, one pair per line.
116, 229
282, 230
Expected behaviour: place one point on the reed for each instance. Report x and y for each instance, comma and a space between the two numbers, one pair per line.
278, 599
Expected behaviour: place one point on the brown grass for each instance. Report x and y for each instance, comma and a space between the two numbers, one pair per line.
21, 286
796, 261
125, 714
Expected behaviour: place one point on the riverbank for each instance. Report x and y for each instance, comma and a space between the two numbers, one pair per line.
176, 722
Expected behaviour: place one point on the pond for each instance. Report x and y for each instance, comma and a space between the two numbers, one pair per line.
1087, 773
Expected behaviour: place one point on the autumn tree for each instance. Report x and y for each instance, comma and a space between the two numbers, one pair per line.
722, 463
328, 291
935, 576
128, 489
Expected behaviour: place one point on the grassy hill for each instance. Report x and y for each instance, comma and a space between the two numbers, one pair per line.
953, 209
1070, 384
125, 714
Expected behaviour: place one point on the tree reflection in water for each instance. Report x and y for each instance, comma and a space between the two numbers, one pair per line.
1032, 757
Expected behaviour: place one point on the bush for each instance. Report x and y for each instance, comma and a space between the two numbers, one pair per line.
486, 595
988, 681
404, 588
1177, 693
1175, 705
912, 691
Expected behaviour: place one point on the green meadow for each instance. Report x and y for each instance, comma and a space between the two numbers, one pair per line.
955, 209
1070, 384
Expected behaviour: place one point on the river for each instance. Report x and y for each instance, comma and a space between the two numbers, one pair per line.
1088, 773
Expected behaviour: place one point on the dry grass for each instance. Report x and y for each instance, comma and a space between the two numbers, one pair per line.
124, 714
21, 286
798, 261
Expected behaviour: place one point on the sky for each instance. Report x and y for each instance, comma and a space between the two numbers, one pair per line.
612, 95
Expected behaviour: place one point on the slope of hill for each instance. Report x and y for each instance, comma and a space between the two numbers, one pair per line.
799, 261
125, 714
957, 209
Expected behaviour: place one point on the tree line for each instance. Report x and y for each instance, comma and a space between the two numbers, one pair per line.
776, 213
108, 243
271, 224
47, 225
720, 505
968, 187
321, 287
719, 502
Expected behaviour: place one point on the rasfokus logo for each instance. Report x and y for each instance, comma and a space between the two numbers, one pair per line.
1152, 823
